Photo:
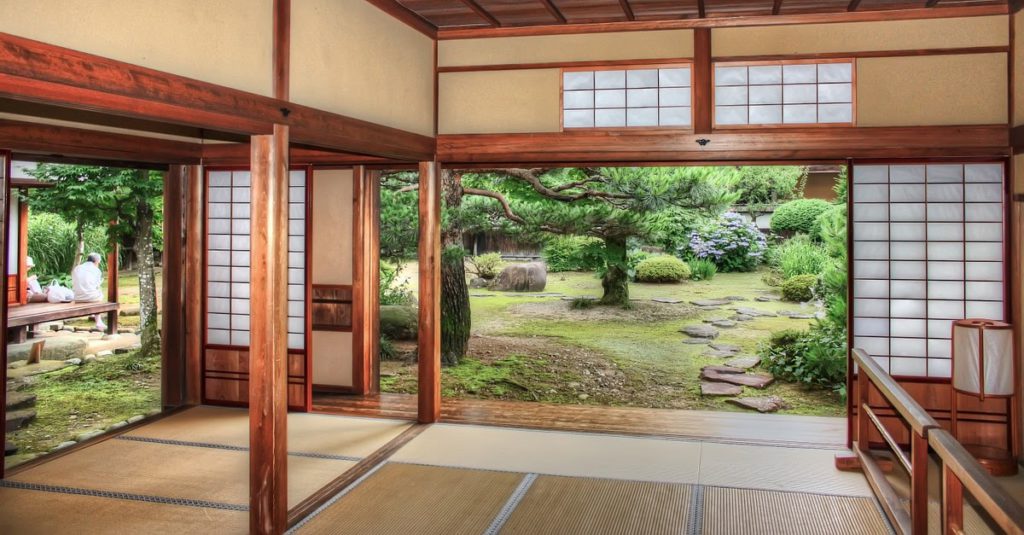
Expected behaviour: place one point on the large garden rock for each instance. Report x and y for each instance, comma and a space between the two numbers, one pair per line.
755, 380
17, 419
700, 331
479, 282
56, 348
720, 389
399, 322
746, 311
744, 363
725, 347
760, 404
528, 277
717, 368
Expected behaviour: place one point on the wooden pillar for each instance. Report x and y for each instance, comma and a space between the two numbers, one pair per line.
5, 168
195, 198
112, 272
702, 86
282, 47
366, 281
918, 483
952, 503
429, 340
268, 349
172, 328
23, 249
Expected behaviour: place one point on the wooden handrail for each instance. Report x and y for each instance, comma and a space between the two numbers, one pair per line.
915, 415
970, 475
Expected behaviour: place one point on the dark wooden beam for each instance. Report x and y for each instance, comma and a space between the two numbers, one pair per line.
627, 9
1017, 139
701, 10
429, 339
407, 16
195, 281
64, 141
238, 154
112, 270
38, 72
482, 13
777, 7
702, 89
737, 145
5, 192
853, 5
555, 12
268, 349
931, 3
172, 328
938, 12
282, 48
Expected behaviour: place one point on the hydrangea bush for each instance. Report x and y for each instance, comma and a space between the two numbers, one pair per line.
730, 242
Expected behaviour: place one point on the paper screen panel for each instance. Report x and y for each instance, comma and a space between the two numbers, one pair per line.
627, 97
787, 94
927, 250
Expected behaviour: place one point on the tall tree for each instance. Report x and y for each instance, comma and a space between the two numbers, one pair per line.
80, 194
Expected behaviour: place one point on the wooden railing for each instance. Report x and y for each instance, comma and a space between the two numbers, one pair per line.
959, 469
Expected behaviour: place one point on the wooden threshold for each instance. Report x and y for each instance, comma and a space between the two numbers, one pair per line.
733, 427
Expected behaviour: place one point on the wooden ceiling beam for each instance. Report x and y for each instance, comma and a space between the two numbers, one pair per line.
482, 13
38, 72
701, 11
937, 12
555, 12
627, 9
407, 16
776, 7
63, 142
853, 5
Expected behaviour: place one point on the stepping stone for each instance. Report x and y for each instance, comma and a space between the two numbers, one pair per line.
743, 363
735, 298
710, 302
742, 317
801, 317
722, 369
696, 341
724, 324
756, 380
754, 312
760, 404
712, 320
10, 449
720, 389
20, 400
709, 309
700, 331
667, 300
719, 353
725, 347
765, 298
18, 419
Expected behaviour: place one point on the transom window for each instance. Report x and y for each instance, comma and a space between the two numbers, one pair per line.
773, 93
628, 97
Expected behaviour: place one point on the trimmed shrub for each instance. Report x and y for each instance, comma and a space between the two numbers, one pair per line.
702, 270
393, 290
801, 256
798, 216
399, 322
662, 269
816, 357
486, 266
773, 277
730, 242
799, 288
574, 253
582, 303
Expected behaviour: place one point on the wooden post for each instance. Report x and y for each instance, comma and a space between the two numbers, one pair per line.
282, 47
268, 349
952, 503
702, 88
918, 483
112, 284
366, 281
5, 190
195, 197
863, 422
429, 340
172, 318
22, 250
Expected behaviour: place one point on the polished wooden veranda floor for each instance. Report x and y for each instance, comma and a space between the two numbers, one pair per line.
187, 473
812, 431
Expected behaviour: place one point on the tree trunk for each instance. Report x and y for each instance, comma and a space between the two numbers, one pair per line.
80, 249
616, 277
455, 313
147, 281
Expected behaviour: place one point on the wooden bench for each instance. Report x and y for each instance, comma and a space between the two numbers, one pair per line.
20, 318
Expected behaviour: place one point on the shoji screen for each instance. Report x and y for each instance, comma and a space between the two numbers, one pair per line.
227, 259
927, 249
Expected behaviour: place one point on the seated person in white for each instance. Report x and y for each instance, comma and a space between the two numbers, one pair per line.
86, 279
34, 293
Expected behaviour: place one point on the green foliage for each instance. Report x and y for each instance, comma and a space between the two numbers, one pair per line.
399, 221
701, 269
633, 259
773, 277
582, 303
832, 286
799, 288
52, 245
816, 357
574, 253
842, 188
771, 184
798, 215
730, 242
394, 290
388, 351
486, 266
801, 256
670, 229
399, 322
662, 269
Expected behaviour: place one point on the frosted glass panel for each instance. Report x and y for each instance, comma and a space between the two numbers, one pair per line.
873, 174
765, 94
906, 193
871, 288
871, 193
642, 117
730, 95
765, 114
906, 173
808, 93
767, 74
909, 327
907, 251
912, 367
610, 118
609, 79
907, 231
727, 115
985, 309
907, 289
642, 78
945, 289
611, 98
730, 76
577, 80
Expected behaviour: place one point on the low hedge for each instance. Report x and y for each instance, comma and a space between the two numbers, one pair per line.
662, 269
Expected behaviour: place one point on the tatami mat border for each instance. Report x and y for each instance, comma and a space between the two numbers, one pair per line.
341, 494
211, 445
6, 483
511, 504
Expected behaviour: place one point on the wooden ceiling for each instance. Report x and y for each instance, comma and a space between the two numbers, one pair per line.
481, 14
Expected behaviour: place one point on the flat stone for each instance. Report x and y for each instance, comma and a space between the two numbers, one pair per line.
801, 316
756, 380
700, 331
725, 347
765, 298
696, 341
56, 348
88, 435
742, 317
136, 418
104, 353
20, 400
710, 302
9, 449
63, 445
721, 369
719, 353
712, 320
17, 419
754, 312
720, 389
708, 308
118, 425
744, 363
667, 300
760, 404
724, 324
735, 298
74, 362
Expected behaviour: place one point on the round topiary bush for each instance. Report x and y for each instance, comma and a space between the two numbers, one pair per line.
799, 288
662, 269
798, 216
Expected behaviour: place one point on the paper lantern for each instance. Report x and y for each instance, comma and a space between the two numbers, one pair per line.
983, 358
